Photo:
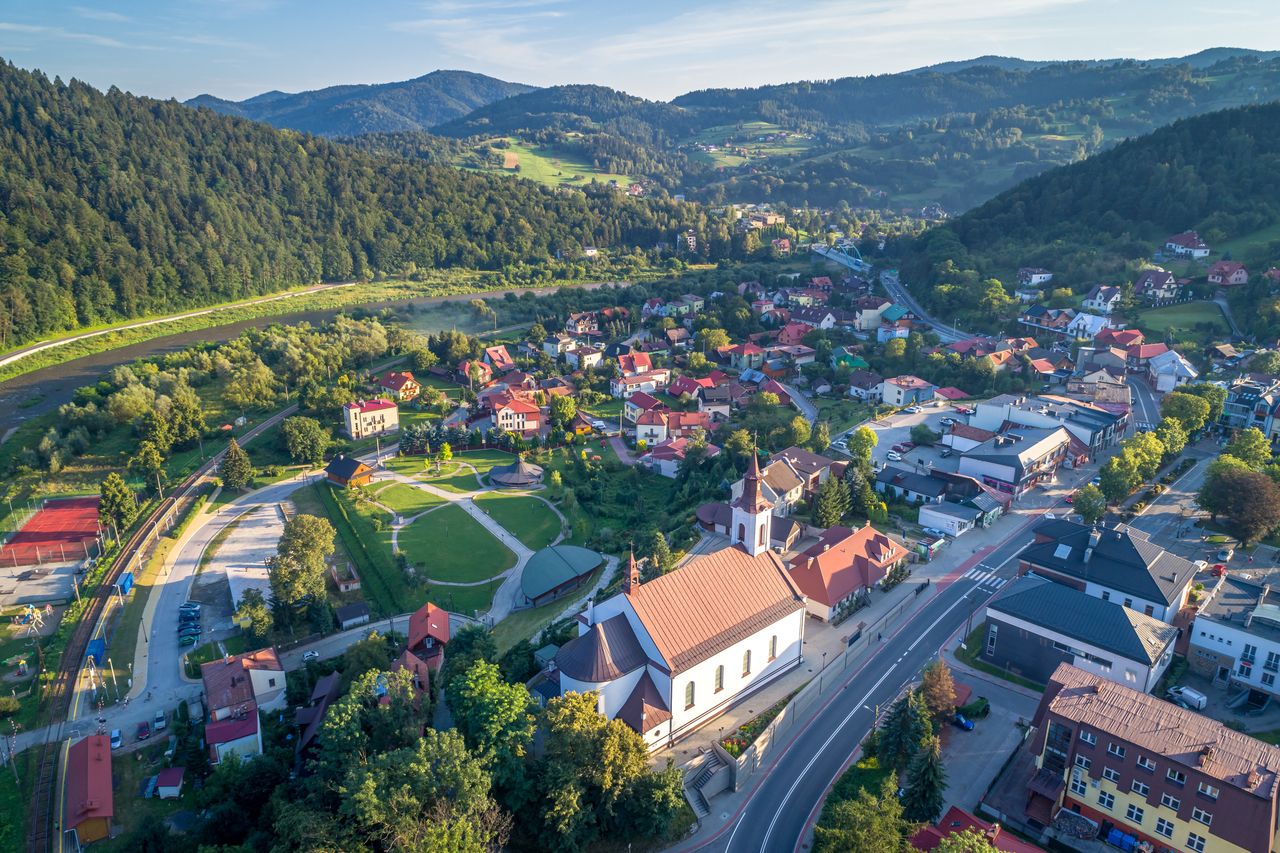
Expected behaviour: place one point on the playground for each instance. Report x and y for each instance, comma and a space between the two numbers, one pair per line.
62, 531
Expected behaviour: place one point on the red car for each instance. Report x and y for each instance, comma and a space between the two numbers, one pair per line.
144, 730
1071, 498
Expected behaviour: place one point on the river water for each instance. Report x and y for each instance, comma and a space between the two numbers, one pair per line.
54, 385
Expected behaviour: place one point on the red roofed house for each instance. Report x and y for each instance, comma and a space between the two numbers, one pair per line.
951, 393
1228, 273
518, 416
637, 404
1187, 244
236, 682
240, 735
89, 806
906, 391
169, 783
793, 333
746, 356
429, 634
483, 373
633, 363
688, 385
364, 418
667, 456
1139, 354
399, 385
843, 566
956, 821
774, 387
658, 425
499, 359
648, 382
1123, 338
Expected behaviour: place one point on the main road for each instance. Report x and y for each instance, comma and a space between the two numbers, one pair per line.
787, 796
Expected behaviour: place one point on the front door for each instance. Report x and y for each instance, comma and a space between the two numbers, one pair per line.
1224, 673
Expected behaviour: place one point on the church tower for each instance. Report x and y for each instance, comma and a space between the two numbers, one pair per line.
752, 513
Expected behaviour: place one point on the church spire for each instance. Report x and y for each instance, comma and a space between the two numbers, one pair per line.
631, 581
753, 499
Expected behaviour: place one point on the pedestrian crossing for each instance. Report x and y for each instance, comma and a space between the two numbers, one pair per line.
985, 576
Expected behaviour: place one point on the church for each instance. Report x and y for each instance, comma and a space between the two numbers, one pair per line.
669, 655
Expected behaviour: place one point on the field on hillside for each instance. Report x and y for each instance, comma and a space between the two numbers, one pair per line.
1188, 321
551, 166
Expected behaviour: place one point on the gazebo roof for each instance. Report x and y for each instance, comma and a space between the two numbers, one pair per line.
518, 473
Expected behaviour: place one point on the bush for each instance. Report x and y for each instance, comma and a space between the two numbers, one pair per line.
9, 706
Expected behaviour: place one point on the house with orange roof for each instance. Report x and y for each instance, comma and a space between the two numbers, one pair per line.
666, 458
1228, 273
499, 359
429, 633
253, 679
634, 363
518, 416
365, 418
88, 803
842, 567
399, 385
957, 821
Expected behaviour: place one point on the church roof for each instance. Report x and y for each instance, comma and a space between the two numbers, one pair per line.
712, 602
607, 651
645, 708
753, 500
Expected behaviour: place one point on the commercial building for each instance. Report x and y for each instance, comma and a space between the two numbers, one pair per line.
1235, 639
1017, 460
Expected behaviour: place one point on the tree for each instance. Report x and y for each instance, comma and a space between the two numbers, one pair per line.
254, 615
305, 440
1215, 395
236, 469
867, 822
1214, 495
901, 731
296, 572
1148, 453
148, 462
1171, 435
495, 717
1190, 410
1119, 476
799, 431
922, 435
116, 504
1252, 504
1091, 503
185, 415
827, 507
423, 359
251, 385
969, 841
712, 339
939, 689
1251, 447
660, 556
821, 438
537, 334
926, 782
472, 643
443, 455
862, 442
563, 410
371, 653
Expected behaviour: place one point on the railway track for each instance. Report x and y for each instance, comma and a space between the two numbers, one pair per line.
61, 691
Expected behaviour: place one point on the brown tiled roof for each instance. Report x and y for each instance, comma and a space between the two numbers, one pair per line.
226, 681
428, 621
645, 708
971, 432
714, 601
607, 651
1161, 727
844, 560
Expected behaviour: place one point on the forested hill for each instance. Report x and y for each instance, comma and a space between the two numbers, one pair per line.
1217, 173
408, 105
115, 206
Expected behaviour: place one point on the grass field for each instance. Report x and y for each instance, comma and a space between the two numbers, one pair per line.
1250, 247
449, 545
405, 499
528, 519
552, 166
841, 414
1183, 319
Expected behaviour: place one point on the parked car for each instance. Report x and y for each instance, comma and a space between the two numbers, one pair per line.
1191, 697
160, 722
913, 410
144, 730
1096, 481
188, 640
1071, 498
1225, 555
188, 634
116, 740
960, 721
964, 410
308, 657
189, 605
948, 421
933, 531
189, 617
893, 456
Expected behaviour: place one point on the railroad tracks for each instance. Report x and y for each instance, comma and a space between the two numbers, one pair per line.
61, 691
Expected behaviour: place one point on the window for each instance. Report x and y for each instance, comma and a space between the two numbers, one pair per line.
1172, 802
1088, 737
1268, 679
1177, 777
1116, 750
1108, 773
742, 532
761, 542
1207, 791
1164, 827
1079, 786
1134, 813
1195, 842
720, 678
1202, 816
271, 682
746, 662
1082, 762
1106, 595
1149, 610
1244, 670
1146, 763
688, 695
1128, 602
1249, 654
991, 638
773, 647
1273, 662
1106, 800
1141, 788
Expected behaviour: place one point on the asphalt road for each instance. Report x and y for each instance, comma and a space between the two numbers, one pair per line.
898, 293
1146, 405
788, 797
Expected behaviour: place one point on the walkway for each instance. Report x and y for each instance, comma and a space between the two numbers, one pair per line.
803, 403
1220, 299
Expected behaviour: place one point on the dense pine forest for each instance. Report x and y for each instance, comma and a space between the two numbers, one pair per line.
116, 206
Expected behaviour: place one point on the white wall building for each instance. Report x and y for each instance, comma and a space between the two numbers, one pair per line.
366, 418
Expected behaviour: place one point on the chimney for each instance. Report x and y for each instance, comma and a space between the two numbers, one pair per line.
1206, 755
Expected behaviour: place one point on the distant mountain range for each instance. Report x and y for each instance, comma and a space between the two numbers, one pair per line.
417, 104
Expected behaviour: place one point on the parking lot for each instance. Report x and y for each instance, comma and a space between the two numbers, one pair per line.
896, 429
974, 758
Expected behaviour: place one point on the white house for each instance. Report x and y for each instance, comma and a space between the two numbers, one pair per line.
365, 418
952, 519
648, 382
1235, 639
906, 391
1103, 298
783, 487
670, 655
1187, 244
1168, 370
1087, 326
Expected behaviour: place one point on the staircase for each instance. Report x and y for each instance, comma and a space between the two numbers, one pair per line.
693, 789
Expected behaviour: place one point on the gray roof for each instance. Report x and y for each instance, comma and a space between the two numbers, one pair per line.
1099, 623
955, 510
903, 478
1019, 445
1122, 559
983, 501
1240, 603
608, 650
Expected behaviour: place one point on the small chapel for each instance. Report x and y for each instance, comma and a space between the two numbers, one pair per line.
669, 655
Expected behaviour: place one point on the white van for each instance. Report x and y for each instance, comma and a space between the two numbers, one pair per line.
1193, 699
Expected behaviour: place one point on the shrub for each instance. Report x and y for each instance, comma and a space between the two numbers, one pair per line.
9, 706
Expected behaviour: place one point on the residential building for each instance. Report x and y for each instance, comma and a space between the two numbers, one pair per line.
1102, 385
746, 356
637, 404
951, 517
866, 385
399, 385
1086, 327
814, 317
1034, 276
499, 359
518, 416
1092, 426
1168, 370
1103, 298
348, 472
679, 338
169, 783
1054, 320
634, 363
1035, 624
669, 454
475, 373
957, 820
580, 358
665, 674
907, 485
558, 344
1018, 460
649, 382
88, 802
1174, 779
1156, 285
1187, 244
783, 487
1228, 273
429, 634
1252, 401
839, 570
962, 437
1117, 564
868, 312
253, 680
660, 424
1235, 639
1123, 338
366, 418
1028, 295
906, 391
239, 735
1139, 355
812, 468
583, 323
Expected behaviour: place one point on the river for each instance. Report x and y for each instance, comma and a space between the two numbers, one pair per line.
54, 385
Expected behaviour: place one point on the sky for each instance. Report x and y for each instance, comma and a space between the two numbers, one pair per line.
656, 49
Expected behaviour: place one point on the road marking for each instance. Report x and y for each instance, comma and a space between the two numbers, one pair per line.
856, 708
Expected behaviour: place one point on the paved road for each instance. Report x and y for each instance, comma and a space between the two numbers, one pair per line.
786, 800
1146, 404
1220, 300
803, 403
898, 293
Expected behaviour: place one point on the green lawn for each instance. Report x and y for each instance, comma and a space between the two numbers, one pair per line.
469, 600
405, 499
483, 460
841, 413
1244, 247
449, 545
529, 519
462, 480
1183, 319
552, 166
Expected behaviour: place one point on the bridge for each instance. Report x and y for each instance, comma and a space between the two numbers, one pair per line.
845, 253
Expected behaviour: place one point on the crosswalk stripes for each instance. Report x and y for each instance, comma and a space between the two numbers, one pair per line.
983, 576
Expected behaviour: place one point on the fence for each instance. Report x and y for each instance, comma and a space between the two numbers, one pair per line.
755, 756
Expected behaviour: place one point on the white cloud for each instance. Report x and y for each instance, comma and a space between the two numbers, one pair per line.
101, 15
60, 33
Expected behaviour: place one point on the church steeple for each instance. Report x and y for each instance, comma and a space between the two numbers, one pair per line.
752, 512
631, 581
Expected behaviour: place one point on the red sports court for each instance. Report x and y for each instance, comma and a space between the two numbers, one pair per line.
61, 531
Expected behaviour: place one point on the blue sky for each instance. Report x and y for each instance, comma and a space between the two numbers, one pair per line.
656, 49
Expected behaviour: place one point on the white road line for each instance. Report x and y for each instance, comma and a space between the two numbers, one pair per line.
996, 583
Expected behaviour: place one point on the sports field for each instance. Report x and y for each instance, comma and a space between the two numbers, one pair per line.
61, 531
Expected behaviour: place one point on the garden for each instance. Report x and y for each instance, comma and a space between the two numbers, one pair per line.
737, 742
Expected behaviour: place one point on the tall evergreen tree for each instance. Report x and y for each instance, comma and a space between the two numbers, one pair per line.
828, 506
236, 470
926, 781
902, 730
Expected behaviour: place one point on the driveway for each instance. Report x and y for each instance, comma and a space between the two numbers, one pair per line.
973, 759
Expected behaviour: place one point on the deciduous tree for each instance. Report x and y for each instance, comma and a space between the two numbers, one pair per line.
1250, 446
305, 440
1171, 435
939, 689
116, 504
1190, 410
1091, 503
862, 442
496, 718
254, 615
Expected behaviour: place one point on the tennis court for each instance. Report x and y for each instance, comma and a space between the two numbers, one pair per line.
62, 530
